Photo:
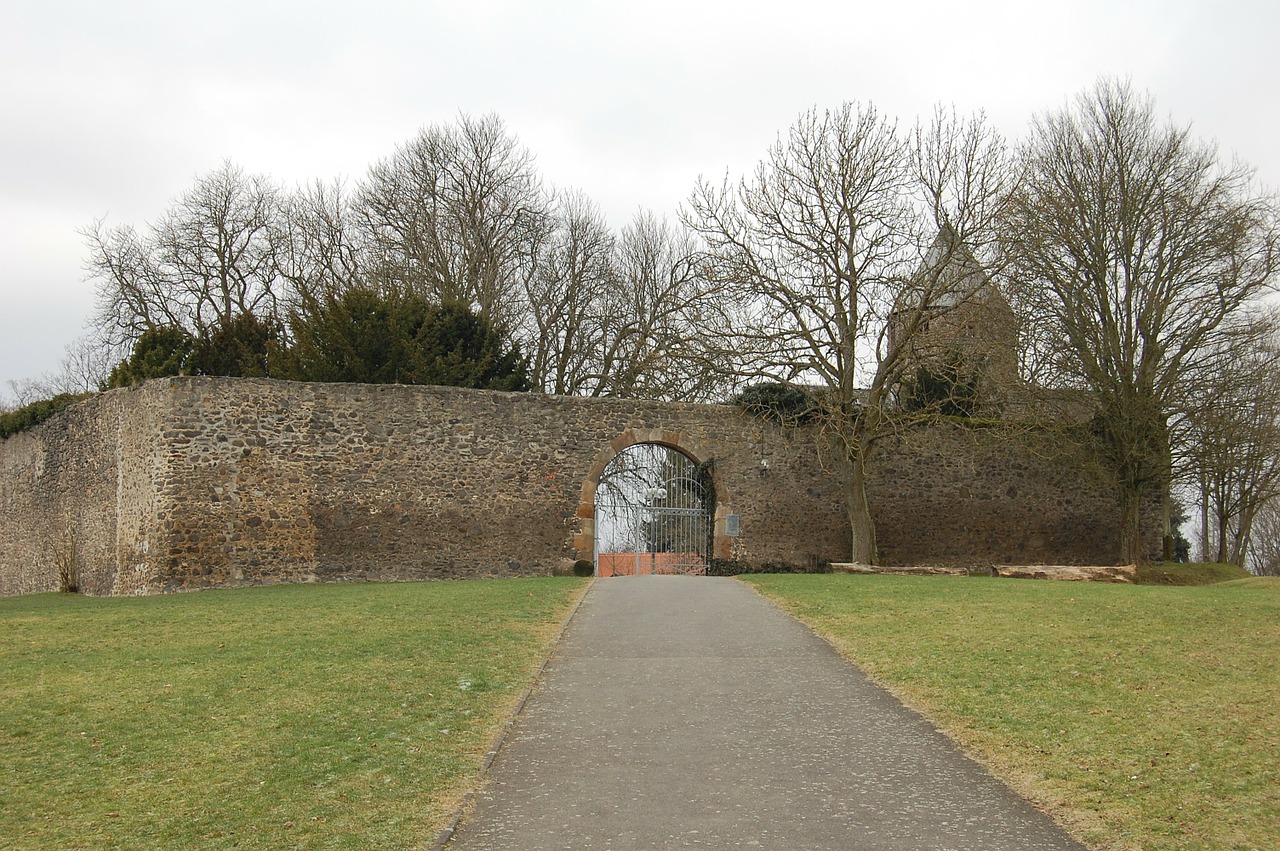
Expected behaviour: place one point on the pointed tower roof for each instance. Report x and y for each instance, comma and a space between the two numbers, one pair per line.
949, 273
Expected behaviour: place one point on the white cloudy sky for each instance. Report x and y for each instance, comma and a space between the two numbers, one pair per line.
111, 109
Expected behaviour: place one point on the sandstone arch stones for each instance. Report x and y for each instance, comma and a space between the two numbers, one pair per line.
722, 544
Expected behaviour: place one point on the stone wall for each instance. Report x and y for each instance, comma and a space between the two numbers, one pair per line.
81, 489
956, 494
201, 482
279, 481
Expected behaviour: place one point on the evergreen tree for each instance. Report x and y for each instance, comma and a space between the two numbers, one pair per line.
365, 336
457, 348
245, 346
158, 353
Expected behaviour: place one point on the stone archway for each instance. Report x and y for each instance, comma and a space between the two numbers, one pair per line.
654, 510
584, 538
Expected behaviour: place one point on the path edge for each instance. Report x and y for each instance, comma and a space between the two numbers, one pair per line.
446, 834
1046, 808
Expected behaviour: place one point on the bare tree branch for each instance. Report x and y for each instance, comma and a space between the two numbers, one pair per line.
1133, 247
839, 250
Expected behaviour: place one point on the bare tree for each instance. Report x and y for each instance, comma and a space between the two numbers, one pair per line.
1134, 246
839, 250
1264, 554
565, 322
1226, 438
458, 214
209, 259
85, 365
659, 340
84, 369
133, 294
24, 391
320, 252
620, 316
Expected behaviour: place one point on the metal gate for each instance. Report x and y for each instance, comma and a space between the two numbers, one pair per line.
653, 514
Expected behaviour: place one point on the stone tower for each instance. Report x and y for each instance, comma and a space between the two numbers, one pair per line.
966, 331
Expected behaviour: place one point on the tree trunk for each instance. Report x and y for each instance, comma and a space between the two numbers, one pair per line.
861, 523
1243, 537
1131, 526
1166, 498
1220, 552
1204, 520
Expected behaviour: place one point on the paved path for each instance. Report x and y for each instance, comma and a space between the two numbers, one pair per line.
690, 712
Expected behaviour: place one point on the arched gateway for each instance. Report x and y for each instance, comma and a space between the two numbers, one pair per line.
651, 504
654, 509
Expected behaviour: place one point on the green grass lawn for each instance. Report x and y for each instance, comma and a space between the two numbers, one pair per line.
316, 716
1196, 573
1143, 717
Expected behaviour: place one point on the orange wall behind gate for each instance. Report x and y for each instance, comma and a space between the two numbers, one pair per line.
624, 564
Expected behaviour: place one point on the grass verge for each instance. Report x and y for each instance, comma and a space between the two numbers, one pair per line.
1172, 573
1142, 717
317, 716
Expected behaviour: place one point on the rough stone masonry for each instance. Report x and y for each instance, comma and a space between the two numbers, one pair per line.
189, 482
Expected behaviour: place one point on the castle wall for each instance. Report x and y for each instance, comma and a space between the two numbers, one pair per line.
72, 490
954, 494
49, 506
299, 482
202, 482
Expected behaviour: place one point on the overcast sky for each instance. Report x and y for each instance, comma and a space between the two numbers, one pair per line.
110, 110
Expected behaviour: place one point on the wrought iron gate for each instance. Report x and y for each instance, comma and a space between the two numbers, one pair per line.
653, 514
